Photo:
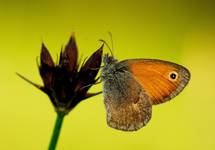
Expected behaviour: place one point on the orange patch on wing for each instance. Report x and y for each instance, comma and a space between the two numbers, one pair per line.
154, 78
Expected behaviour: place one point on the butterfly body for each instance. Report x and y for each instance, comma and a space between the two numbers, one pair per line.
132, 86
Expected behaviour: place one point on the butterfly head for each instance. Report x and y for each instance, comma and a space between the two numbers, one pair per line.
110, 66
109, 59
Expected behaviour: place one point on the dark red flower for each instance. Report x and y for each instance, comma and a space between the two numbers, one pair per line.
64, 83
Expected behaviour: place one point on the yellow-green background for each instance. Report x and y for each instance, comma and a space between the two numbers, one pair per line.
182, 31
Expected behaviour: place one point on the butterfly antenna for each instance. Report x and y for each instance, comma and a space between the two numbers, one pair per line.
111, 39
107, 45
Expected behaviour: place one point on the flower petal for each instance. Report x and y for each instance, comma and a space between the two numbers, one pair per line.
88, 95
68, 58
87, 74
45, 57
46, 67
90, 69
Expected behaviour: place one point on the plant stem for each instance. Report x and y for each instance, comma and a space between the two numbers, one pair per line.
56, 131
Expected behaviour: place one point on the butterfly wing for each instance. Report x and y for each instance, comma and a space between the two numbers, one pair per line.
162, 80
127, 105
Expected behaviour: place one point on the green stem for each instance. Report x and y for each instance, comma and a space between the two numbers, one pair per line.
56, 131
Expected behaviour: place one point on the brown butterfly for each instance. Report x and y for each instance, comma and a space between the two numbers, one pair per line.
132, 86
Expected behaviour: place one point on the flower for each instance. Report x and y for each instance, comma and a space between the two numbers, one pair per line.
64, 83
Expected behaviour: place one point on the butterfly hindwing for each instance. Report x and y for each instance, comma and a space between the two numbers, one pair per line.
127, 105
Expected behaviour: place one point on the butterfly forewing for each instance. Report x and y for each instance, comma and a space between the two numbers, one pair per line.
162, 80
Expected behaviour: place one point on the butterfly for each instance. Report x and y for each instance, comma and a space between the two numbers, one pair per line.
132, 86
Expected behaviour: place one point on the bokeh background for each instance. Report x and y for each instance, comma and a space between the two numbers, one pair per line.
182, 31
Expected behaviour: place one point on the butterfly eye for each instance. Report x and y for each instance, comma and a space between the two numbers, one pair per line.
173, 75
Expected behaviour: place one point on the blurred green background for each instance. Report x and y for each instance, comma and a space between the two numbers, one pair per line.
182, 31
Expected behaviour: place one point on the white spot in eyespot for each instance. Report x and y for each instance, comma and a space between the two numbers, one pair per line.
173, 76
